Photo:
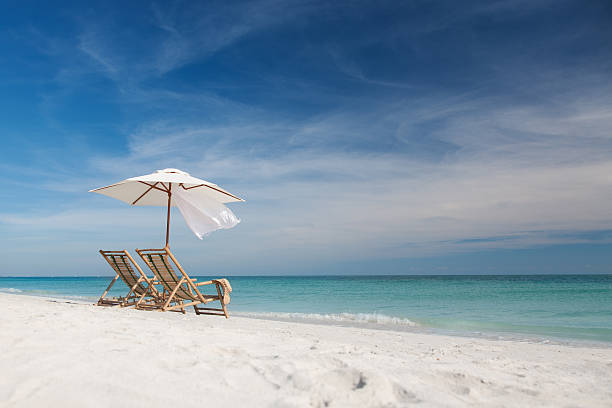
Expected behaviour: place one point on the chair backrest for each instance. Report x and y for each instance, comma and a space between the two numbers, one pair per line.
121, 262
160, 262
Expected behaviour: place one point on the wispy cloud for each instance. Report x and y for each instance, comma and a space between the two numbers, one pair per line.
517, 172
92, 46
186, 33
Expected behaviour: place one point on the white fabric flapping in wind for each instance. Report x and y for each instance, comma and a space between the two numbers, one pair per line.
203, 215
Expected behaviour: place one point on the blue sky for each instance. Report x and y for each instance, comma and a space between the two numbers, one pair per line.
366, 137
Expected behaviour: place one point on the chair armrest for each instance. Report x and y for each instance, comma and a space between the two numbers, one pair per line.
204, 283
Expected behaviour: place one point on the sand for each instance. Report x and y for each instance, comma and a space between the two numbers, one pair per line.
55, 354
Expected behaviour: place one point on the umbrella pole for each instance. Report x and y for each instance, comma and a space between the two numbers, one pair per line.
168, 215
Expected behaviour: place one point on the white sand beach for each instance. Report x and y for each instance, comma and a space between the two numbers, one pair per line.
60, 353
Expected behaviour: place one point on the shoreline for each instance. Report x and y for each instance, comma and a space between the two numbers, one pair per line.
413, 327
408, 327
425, 330
77, 354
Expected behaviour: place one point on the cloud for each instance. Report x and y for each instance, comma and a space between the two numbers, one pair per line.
508, 177
91, 44
515, 177
507, 170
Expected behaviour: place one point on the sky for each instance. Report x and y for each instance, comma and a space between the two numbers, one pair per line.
405, 137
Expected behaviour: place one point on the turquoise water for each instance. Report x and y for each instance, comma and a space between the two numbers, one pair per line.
539, 307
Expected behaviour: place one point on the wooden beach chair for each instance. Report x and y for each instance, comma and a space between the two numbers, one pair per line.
142, 288
181, 292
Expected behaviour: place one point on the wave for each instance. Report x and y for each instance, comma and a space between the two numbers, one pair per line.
334, 318
49, 294
10, 290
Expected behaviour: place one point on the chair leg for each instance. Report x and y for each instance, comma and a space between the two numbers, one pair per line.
101, 300
221, 301
224, 310
141, 298
165, 307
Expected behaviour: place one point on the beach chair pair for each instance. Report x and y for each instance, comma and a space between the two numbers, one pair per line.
176, 293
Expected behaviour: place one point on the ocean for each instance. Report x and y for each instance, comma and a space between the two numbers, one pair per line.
539, 308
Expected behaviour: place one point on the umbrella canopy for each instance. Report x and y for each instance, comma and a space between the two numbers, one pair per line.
200, 201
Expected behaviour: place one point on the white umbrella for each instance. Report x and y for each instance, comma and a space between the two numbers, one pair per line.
201, 202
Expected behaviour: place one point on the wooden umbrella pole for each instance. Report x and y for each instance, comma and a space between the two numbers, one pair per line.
168, 216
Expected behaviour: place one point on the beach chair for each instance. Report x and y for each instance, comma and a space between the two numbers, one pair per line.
181, 292
142, 288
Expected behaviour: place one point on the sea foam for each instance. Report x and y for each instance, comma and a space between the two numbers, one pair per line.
10, 290
334, 318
